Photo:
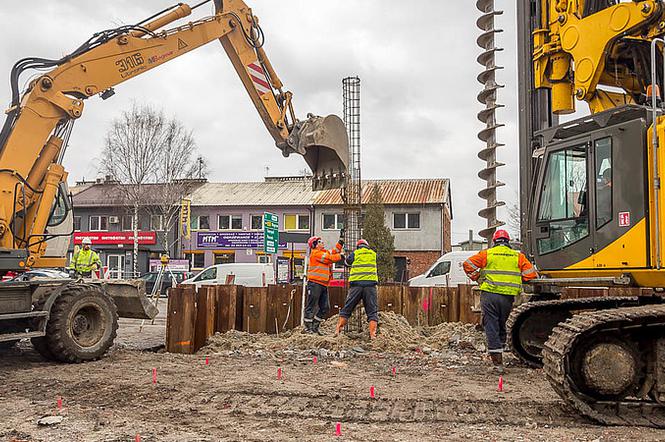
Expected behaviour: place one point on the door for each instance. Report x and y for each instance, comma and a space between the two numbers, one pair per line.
115, 264
561, 225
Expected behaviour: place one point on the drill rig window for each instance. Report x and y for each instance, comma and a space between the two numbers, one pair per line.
563, 201
603, 166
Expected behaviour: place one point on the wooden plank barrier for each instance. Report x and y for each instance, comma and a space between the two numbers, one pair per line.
229, 308
390, 299
278, 303
181, 320
255, 309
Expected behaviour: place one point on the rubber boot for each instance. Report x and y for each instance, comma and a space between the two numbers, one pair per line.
497, 361
341, 323
315, 328
372, 329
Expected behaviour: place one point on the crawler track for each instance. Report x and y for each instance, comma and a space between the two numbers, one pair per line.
568, 337
531, 324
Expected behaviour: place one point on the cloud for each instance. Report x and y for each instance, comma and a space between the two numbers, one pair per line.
417, 64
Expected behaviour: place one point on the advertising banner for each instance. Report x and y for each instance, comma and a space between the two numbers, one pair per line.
101, 238
185, 219
232, 240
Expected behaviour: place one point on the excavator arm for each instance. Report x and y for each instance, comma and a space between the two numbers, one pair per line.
38, 123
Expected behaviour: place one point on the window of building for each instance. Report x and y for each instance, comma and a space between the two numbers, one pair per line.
196, 260
77, 223
200, 222
157, 222
333, 221
563, 200
257, 222
603, 154
229, 222
225, 258
126, 222
296, 222
406, 220
98, 223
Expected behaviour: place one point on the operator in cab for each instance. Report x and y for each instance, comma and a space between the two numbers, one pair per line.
500, 271
85, 260
319, 273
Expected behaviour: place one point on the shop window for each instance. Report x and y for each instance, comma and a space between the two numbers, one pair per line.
563, 199
603, 159
402, 221
98, 223
201, 222
296, 222
196, 260
77, 223
333, 221
225, 258
257, 222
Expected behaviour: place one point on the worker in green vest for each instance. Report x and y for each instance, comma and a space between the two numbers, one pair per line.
500, 271
85, 260
363, 280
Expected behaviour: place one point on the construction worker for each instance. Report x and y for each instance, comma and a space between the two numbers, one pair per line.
500, 272
319, 272
363, 279
85, 260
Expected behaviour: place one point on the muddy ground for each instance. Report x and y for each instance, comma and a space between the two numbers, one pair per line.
440, 392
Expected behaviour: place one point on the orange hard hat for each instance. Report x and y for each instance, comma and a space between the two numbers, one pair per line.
501, 234
312, 241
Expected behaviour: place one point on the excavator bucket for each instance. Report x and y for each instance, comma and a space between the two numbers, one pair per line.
325, 145
129, 297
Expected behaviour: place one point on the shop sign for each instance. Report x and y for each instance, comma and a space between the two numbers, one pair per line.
115, 238
232, 240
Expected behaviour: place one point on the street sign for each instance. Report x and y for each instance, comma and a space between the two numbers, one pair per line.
270, 232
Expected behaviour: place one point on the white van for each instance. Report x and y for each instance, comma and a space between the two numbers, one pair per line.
446, 271
247, 274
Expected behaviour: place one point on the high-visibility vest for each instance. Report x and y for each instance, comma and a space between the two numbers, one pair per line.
364, 266
502, 274
83, 260
319, 268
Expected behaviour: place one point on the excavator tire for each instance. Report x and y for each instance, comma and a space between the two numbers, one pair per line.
82, 324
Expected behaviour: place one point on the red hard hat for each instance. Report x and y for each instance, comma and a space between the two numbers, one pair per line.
362, 242
312, 241
501, 234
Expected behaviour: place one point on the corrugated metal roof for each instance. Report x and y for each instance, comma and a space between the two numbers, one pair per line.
395, 192
273, 191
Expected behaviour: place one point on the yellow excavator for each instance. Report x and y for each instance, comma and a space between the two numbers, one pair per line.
76, 320
592, 204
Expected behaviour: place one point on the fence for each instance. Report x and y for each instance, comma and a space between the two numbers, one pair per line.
194, 316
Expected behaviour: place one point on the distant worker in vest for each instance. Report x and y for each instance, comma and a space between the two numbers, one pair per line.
85, 260
363, 279
319, 273
500, 271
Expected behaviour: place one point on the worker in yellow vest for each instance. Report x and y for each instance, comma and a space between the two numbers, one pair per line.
363, 279
85, 260
500, 271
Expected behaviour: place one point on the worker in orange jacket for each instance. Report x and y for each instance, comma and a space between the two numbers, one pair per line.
500, 271
319, 273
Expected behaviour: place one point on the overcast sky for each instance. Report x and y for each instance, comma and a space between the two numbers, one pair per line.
416, 61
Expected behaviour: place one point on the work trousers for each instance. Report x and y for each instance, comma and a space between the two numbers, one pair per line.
368, 296
317, 303
496, 309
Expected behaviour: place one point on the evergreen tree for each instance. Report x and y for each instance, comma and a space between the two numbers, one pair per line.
378, 235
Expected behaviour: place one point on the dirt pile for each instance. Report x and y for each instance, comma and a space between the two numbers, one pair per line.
395, 336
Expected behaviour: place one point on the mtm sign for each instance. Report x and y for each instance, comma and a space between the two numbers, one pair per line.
270, 232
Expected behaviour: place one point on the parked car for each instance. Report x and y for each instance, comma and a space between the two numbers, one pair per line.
41, 274
150, 279
247, 274
446, 271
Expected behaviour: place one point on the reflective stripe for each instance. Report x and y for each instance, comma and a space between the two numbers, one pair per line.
366, 265
323, 257
502, 272
530, 271
505, 284
471, 264
496, 350
364, 273
317, 319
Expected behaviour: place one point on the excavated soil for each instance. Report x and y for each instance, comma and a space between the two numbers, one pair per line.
442, 390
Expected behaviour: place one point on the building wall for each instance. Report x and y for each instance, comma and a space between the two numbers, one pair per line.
418, 262
244, 255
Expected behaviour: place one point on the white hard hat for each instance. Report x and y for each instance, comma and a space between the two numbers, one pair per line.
86, 241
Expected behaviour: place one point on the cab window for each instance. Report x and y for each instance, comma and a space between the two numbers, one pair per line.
563, 199
207, 274
603, 160
442, 268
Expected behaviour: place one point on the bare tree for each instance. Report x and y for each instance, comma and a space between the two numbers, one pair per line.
153, 160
